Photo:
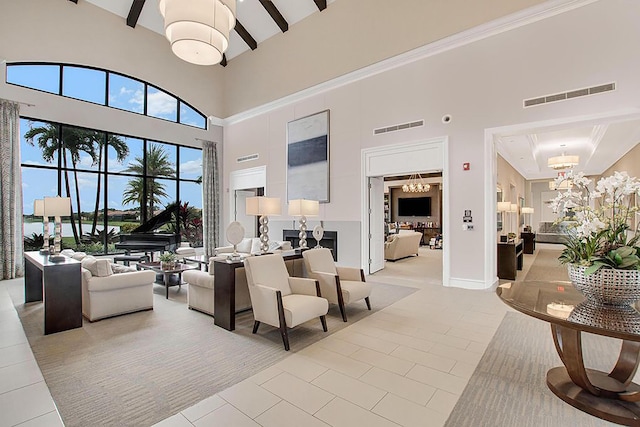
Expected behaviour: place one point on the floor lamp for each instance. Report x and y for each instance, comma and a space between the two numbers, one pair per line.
303, 208
57, 207
38, 210
263, 207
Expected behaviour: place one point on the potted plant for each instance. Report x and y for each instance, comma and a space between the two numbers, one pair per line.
601, 251
167, 261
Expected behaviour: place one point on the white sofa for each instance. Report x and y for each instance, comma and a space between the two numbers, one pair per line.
402, 245
111, 289
251, 246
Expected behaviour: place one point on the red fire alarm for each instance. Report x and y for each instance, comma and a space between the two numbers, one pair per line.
466, 166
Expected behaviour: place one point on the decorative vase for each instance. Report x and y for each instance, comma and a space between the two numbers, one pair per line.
167, 265
607, 286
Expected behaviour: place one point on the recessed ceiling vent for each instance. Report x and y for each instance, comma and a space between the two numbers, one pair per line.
247, 158
398, 127
569, 95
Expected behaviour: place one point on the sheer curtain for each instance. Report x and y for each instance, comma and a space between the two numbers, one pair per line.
210, 197
11, 243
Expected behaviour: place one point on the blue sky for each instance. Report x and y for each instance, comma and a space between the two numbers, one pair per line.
124, 93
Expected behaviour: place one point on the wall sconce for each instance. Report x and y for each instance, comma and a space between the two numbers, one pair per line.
263, 206
303, 208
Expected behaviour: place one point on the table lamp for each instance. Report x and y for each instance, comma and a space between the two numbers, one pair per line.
502, 208
38, 210
263, 206
57, 207
303, 208
527, 210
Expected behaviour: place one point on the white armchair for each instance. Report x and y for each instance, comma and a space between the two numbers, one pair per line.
339, 285
280, 300
201, 291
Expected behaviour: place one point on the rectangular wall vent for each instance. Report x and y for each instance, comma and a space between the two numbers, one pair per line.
247, 158
569, 95
398, 127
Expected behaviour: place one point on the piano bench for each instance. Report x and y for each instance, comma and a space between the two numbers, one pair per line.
126, 259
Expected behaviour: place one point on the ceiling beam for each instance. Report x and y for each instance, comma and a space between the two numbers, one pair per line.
134, 13
275, 14
244, 34
322, 4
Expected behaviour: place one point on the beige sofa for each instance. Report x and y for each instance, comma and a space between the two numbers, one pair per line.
402, 245
111, 290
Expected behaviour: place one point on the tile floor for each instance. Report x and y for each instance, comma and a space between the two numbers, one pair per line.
405, 365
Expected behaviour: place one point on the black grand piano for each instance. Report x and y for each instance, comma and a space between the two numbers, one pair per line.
144, 239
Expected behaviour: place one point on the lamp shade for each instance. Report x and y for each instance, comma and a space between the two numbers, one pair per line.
563, 162
504, 206
57, 206
299, 207
38, 207
198, 30
263, 206
527, 210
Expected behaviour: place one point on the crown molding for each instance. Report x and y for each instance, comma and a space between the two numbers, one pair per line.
483, 31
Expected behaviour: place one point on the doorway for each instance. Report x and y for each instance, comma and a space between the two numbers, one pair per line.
397, 159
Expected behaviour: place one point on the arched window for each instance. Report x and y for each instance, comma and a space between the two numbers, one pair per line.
104, 87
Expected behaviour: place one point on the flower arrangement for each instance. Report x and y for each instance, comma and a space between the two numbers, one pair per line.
600, 235
167, 260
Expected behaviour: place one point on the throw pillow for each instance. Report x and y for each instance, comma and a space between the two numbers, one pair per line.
78, 256
117, 269
97, 267
67, 252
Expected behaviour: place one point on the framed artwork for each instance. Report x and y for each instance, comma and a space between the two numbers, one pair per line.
308, 158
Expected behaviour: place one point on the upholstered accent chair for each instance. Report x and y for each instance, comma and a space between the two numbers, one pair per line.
201, 290
339, 285
280, 300
111, 290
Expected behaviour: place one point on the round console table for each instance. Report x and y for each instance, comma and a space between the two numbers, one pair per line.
611, 396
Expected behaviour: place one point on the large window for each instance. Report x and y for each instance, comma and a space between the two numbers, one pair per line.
115, 183
107, 88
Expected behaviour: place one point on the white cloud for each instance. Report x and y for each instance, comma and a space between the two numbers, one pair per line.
85, 161
35, 163
159, 103
192, 166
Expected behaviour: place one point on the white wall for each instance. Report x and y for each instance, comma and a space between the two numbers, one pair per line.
482, 85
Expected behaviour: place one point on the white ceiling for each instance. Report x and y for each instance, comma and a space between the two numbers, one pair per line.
250, 13
598, 143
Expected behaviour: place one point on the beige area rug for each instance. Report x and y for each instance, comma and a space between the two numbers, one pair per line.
508, 387
546, 266
140, 368
415, 271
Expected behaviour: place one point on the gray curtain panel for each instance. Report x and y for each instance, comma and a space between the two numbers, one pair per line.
11, 243
210, 197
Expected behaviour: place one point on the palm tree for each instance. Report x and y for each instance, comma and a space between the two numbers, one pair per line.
74, 141
158, 165
122, 151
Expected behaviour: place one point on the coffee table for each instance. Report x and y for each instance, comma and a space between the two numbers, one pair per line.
610, 396
178, 269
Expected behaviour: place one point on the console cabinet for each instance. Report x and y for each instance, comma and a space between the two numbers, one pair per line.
510, 256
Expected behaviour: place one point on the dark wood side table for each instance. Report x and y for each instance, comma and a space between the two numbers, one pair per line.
58, 285
610, 396
224, 282
529, 242
510, 259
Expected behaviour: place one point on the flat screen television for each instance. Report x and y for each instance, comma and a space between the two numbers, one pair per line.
414, 206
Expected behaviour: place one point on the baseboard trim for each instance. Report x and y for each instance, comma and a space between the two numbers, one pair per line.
478, 285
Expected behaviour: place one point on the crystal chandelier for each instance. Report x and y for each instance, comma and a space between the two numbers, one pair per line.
416, 185
198, 30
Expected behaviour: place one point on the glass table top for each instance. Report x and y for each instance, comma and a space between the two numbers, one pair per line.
561, 303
